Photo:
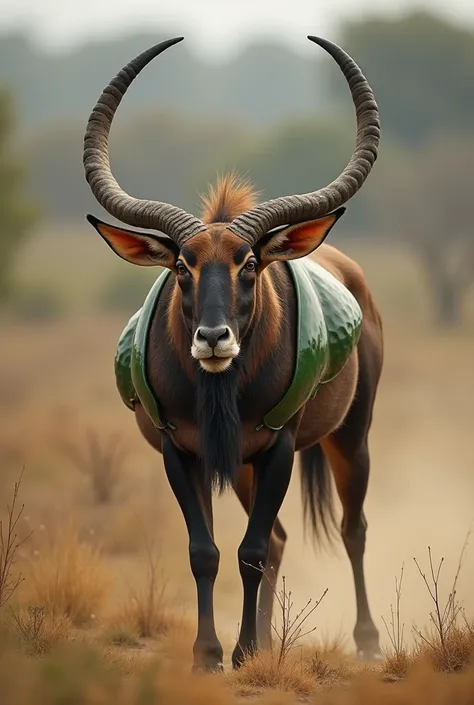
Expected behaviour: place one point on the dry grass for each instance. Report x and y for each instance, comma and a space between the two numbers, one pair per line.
329, 667
39, 632
147, 610
293, 627
69, 577
121, 635
301, 672
397, 665
422, 687
448, 643
455, 653
58, 373
9, 547
148, 618
100, 460
280, 669
80, 673
397, 658
263, 671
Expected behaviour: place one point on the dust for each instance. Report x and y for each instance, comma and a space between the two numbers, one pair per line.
57, 380
420, 494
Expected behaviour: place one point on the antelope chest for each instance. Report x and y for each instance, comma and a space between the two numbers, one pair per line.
329, 321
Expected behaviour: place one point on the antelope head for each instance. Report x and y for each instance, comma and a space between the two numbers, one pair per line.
219, 265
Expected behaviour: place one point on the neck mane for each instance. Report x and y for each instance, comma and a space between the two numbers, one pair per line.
217, 395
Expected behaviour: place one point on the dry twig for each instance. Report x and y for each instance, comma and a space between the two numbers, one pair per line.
102, 463
292, 627
40, 631
443, 619
396, 629
449, 644
9, 546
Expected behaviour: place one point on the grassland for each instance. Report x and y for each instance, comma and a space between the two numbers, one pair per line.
106, 610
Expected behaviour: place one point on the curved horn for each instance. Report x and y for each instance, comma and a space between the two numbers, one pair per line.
254, 223
173, 221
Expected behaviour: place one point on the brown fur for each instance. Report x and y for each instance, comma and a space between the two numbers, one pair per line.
219, 244
268, 317
338, 419
325, 414
229, 198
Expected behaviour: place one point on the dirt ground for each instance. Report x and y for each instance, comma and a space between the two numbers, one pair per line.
56, 382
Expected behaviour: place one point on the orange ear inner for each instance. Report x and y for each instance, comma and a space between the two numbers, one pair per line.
300, 236
122, 241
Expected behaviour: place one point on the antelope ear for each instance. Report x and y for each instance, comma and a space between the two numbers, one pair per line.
144, 249
294, 241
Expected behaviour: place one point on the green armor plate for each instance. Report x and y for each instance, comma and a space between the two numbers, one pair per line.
131, 358
329, 322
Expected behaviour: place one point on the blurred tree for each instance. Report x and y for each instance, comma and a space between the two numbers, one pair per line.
424, 199
420, 68
301, 156
262, 84
159, 155
17, 212
174, 158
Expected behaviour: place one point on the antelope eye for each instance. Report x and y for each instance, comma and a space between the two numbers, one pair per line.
181, 269
250, 266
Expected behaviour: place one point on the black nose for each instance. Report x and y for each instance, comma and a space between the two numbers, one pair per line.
212, 336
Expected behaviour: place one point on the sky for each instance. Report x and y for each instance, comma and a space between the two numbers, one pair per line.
213, 27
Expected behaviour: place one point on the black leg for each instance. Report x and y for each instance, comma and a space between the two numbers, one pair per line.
244, 488
195, 503
273, 473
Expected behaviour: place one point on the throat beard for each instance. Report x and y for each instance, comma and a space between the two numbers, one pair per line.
219, 426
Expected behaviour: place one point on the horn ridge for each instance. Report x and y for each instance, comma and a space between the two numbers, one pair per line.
173, 221
288, 210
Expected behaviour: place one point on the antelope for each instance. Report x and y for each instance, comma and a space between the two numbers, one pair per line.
219, 374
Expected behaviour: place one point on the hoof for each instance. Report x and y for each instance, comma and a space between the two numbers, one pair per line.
241, 655
366, 638
208, 657
369, 655
237, 660
208, 668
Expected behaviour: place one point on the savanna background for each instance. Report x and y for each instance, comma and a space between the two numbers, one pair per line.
97, 602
